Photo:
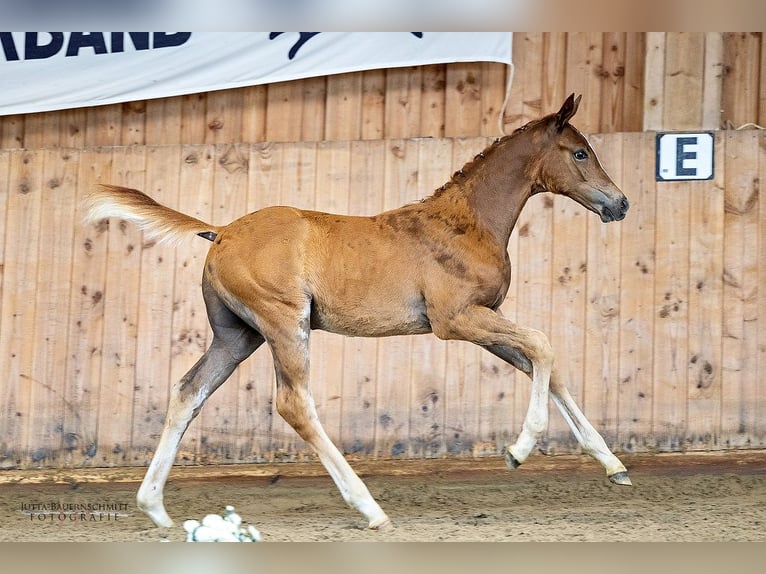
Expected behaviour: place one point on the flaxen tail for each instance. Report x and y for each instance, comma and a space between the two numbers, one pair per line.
158, 222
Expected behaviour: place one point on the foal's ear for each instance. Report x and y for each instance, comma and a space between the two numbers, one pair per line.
567, 111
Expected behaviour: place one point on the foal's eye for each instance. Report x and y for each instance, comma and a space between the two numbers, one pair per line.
580, 154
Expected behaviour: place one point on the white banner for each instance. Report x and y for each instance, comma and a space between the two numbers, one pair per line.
42, 71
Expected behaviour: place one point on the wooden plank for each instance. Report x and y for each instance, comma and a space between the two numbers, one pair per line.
193, 129
283, 120
313, 109
584, 62
433, 101
254, 113
637, 277
760, 407
740, 289
73, 128
87, 307
189, 326
706, 267
671, 309
12, 131
52, 316
164, 121
223, 117
121, 308
633, 93
553, 81
684, 66
17, 312
514, 109
366, 186
104, 126
612, 73
464, 93
393, 376
741, 82
654, 81
529, 78
133, 129
39, 129
373, 105
403, 93
762, 91
712, 81
221, 437
154, 315
602, 313
344, 107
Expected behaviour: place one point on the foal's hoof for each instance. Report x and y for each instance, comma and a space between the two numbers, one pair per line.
384, 526
621, 478
510, 460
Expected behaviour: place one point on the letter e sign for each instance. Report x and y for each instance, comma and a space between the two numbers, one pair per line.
684, 156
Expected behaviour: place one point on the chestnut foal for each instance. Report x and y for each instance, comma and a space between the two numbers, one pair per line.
440, 265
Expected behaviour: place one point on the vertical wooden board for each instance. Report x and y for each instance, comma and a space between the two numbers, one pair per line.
104, 126
602, 313
56, 231
133, 128
671, 307
463, 92
760, 426
343, 119
706, 265
613, 85
39, 129
569, 258
193, 129
12, 131
712, 81
17, 313
314, 109
190, 332
373, 120
394, 372
327, 356
584, 63
637, 275
221, 436
223, 117
740, 99
87, 307
366, 187
740, 290
762, 89
435, 414
529, 78
283, 123
433, 101
654, 81
513, 116
403, 94
163, 121
554, 88
154, 319
633, 94
684, 66
121, 316
73, 128
254, 114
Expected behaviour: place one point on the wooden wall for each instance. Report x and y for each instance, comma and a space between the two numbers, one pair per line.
630, 82
658, 321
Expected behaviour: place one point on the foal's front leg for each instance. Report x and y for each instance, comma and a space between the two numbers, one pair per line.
524, 348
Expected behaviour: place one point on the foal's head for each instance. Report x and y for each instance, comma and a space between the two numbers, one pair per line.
566, 164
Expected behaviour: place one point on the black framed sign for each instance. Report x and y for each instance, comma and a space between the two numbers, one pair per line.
685, 156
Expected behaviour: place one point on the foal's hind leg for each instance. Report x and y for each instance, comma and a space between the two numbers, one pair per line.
295, 404
588, 437
233, 341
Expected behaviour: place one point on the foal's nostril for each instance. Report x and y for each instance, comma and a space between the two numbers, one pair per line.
624, 204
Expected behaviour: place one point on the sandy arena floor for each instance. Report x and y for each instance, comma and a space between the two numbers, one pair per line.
710, 497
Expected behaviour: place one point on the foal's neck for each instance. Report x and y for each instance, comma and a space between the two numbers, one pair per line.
494, 187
